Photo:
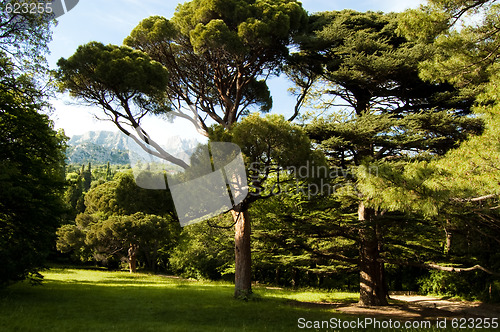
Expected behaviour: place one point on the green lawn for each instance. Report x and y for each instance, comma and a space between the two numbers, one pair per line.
90, 300
97, 300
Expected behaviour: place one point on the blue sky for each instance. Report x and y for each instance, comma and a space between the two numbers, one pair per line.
110, 21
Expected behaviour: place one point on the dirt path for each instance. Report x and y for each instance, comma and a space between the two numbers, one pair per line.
478, 309
417, 307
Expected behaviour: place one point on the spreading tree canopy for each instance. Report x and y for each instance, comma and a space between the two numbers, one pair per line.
461, 188
382, 112
121, 218
218, 55
220, 52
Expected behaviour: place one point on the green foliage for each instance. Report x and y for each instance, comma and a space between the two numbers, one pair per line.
392, 115
32, 179
220, 49
118, 213
87, 177
463, 55
122, 196
115, 78
385, 124
273, 149
292, 246
24, 38
457, 191
107, 240
301, 241
71, 237
445, 189
404, 186
474, 286
422, 25
368, 66
80, 180
239, 26
127, 73
471, 170
467, 58
31, 152
272, 138
204, 251
400, 88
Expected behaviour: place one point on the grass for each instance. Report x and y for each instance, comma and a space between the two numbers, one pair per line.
97, 300
90, 300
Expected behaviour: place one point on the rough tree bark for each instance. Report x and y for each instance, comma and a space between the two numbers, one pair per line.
242, 253
372, 288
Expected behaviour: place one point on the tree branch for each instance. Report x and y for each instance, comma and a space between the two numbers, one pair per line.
475, 199
434, 266
459, 269
301, 98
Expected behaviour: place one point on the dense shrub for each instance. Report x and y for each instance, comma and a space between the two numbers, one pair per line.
204, 252
107, 240
470, 286
31, 186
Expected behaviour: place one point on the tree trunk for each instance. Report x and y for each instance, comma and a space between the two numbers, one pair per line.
132, 260
449, 236
372, 288
242, 255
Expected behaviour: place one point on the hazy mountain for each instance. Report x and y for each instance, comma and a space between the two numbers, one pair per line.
107, 139
99, 147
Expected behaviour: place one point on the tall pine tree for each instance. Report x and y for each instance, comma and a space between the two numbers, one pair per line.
367, 76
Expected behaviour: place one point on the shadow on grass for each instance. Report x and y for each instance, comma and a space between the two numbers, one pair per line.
147, 304
83, 300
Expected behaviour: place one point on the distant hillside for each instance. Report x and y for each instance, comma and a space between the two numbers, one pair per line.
96, 154
99, 147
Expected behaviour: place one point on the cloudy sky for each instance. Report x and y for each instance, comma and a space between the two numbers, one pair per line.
110, 21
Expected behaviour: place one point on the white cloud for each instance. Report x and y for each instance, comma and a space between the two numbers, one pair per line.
77, 119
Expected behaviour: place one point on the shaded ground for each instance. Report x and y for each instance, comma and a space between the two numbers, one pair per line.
414, 307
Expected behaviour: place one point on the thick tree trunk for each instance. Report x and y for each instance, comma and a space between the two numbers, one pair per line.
372, 288
242, 255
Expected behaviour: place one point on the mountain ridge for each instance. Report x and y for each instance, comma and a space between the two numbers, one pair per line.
99, 147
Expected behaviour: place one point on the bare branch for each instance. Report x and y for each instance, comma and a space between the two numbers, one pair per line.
434, 266
476, 199
302, 96
459, 269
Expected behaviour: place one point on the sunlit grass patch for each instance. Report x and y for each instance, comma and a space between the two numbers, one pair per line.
97, 300
100, 300
309, 295
108, 278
